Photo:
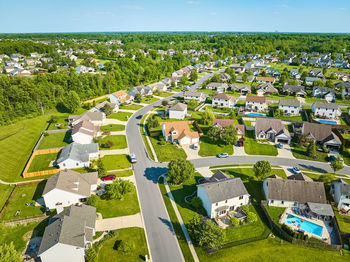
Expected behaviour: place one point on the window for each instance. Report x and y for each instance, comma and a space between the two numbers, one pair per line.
282, 202
64, 164
232, 208
216, 204
241, 197
225, 201
222, 212
77, 164
271, 201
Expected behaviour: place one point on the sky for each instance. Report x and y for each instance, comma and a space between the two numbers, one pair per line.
25, 16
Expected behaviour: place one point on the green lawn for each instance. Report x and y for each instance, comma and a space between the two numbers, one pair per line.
275, 213
300, 152
147, 144
55, 140
149, 100
343, 221
122, 116
346, 155
114, 162
119, 142
129, 205
113, 127
165, 94
135, 236
6, 191
296, 118
123, 173
16, 144
166, 152
207, 148
252, 147
131, 107
42, 162
62, 118
25, 194
177, 228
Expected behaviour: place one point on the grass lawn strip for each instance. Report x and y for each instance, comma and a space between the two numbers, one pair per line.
252, 147
53, 140
207, 148
147, 100
166, 152
112, 127
131, 107
5, 193
119, 142
114, 162
145, 141
300, 153
124, 173
42, 162
135, 236
122, 116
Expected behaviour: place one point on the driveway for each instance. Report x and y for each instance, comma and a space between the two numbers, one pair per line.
119, 222
239, 151
190, 152
110, 121
285, 152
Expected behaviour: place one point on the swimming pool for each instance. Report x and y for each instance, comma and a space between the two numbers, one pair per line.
305, 225
254, 114
327, 121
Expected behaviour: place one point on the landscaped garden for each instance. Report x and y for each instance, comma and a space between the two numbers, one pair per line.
122, 116
52, 140
42, 162
207, 148
112, 128
165, 150
254, 147
115, 142
114, 162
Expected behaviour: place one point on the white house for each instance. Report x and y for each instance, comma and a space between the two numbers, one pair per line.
328, 110
340, 190
67, 188
84, 132
97, 118
223, 101
120, 97
77, 155
179, 132
222, 195
100, 106
265, 89
290, 107
69, 235
242, 89
190, 95
272, 130
256, 103
219, 87
323, 92
161, 87
177, 111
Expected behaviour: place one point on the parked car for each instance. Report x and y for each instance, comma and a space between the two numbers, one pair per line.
334, 157
139, 116
108, 177
133, 158
222, 155
296, 170
279, 145
195, 146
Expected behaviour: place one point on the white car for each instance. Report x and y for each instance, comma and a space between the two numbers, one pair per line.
133, 158
296, 170
222, 155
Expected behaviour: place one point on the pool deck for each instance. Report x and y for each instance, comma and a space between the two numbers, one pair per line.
324, 224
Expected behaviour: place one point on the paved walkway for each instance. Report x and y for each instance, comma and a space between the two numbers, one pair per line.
285, 152
181, 222
190, 152
239, 151
119, 222
116, 133
114, 152
111, 121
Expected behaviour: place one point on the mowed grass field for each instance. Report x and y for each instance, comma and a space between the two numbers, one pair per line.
16, 144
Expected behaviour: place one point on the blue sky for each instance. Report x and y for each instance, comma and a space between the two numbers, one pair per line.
188, 15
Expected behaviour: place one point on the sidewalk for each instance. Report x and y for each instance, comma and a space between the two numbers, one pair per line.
115, 133
119, 222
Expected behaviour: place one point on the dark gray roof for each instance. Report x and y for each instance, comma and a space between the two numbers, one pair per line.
218, 176
284, 102
192, 93
89, 116
177, 107
218, 84
69, 227
319, 104
321, 209
296, 190
224, 189
71, 181
294, 89
300, 176
240, 87
321, 133
78, 152
345, 189
270, 124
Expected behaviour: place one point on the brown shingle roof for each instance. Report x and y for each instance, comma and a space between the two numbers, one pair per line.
322, 133
225, 97
259, 99
182, 128
266, 124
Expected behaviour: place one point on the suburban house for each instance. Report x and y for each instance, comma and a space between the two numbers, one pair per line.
142, 90
77, 155
220, 87
290, 107
190, 95
344, 76
256, 103
223, 101
69, 234
225, 122
161, 87
222, 195
179, 132
294, 90
316, 73
166, 82
340, 190
272, 130
225, 77
262, 79
84, 132
96, 118
176, 111
323, 92
242, 89
120, 97
321, 134
99, 107
67, 188
346, 89
310, 80
293, 193
249, 78
326, 110
266, 89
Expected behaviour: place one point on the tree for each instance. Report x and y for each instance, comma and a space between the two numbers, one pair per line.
92, 200
72, 101
192, 103
101, 168
118, 189
107, 109
9, 253
318, 83
108, 144
278, 113
180, 170
245, 78
207, 117
229, 135
214, 134
326, 179
283, 80
165, 103
337, 164
196, 202
251, 217
262, 168
184, 79
330, 84
152, 122
90, 255
138, 97
194, 76
126, 246
234, 221
311, 149
207, 233
293, 82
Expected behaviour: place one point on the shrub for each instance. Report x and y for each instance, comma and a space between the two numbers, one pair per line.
46, 134
162, 142
92, 200
61, 126
245, 208
108, 144
325, 149
90, 255
196, 202
126, 247
251, 217
234, 221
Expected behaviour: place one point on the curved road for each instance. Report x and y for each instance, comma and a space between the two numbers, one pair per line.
160, 234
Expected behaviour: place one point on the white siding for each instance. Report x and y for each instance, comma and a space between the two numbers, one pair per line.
61, 196
62, 252
70, 163
291, 110
82, 138
177, 114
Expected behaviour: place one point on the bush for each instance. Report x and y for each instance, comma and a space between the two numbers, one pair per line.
92, 200
46, 134
234, 221
251, 217
90, 255
118, 189
245, 208
162, 143
126, 247
108, 144
325, 149
196, 202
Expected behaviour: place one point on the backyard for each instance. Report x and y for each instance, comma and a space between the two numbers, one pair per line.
343, 221
5, 193
119, 142
252, 147
122, 116
208, 148
53, 140
115, 162
42, 162
112, 128
168, 151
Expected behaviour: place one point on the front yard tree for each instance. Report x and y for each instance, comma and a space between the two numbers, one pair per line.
229, 135
180, 170
251, 217
278, 113
118, 189
107, 109
184, 80
138, 97
214, 134
207, 117
8, 253
192, 103
194, 76
152, 123
262, 168
311, 149
337, 164
72, 101
208, 234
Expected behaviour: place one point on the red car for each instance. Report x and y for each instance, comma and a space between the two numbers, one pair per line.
108, 177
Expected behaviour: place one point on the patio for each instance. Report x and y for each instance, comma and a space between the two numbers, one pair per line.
224, 221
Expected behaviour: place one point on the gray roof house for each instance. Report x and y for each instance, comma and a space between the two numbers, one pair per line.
69, 234
222, 195
243, 89
198, 96
176, 111
68, 187
340, 190
99, 107
324, 92
97, 118
142, 90
77, 155
294, 90
321, 134
220, 87
272, 130
290, 107
266, 89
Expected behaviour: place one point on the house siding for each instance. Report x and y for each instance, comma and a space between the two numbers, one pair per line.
62, 252
61, 196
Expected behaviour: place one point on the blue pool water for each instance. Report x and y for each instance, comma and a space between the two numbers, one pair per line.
306, 225
327, 121
254, 114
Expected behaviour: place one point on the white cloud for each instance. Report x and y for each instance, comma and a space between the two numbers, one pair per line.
193, 2
341, 8
132, 7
